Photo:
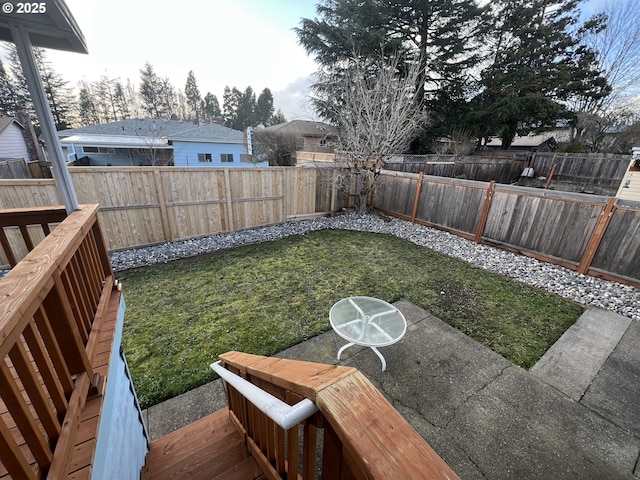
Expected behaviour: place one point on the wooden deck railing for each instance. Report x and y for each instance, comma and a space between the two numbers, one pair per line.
364, 437
31, 224
50, 302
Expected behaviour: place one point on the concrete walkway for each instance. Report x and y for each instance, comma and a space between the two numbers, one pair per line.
575, 415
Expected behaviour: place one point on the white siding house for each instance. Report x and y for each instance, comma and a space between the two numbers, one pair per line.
12, 143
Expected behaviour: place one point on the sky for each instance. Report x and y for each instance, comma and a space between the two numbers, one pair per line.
238, 43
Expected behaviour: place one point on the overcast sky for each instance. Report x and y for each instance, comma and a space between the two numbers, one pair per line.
238, 43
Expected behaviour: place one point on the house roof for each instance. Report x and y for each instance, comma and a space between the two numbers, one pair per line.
136, 130
209, 132
305, 128
532, 140
115, 141
55, 28
6, 121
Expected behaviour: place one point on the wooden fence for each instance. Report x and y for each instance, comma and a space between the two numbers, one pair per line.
14, 168
596, 173
147, 205
591, 234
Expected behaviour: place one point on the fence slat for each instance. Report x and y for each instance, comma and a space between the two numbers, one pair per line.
597, 235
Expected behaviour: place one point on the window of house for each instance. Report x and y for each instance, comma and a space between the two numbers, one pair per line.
204, 158
226, 157
103, 150
323, 142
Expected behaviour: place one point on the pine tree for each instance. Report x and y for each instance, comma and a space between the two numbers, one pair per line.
8, 96
211, 107
536, 64
264, 107
61, 99
443, 35
151, 91
192, 92
87, 109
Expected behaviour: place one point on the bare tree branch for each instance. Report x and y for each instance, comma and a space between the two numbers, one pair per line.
378, 114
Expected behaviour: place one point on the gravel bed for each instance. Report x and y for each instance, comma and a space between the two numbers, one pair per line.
583, 289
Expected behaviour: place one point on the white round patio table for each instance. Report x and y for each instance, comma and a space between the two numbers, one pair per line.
369, 322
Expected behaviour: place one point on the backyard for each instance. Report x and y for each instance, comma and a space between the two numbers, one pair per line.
264, 298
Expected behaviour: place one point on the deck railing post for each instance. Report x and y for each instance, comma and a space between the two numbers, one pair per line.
66, 330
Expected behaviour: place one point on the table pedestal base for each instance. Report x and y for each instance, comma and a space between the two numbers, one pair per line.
384, 362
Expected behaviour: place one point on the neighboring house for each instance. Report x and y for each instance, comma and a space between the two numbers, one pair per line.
314, 137
12, 142
630, 186
209, 145
154, 142
543, 142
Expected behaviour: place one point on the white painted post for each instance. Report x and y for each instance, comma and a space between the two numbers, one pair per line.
61, 175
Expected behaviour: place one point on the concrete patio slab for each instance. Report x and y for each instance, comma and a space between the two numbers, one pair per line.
574, 360
615, 391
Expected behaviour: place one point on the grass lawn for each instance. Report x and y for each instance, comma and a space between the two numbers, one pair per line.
264, 298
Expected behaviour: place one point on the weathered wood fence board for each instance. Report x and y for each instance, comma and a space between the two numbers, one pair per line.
560, 227
619, 250
554, 224
14, 168
598, 172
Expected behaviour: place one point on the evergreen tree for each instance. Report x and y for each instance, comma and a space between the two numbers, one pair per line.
8, 96
211, 107
277, 118
87, 108
535, 65
132, 98
246, 113
264, 107
230, 103
192, 92
443, 35
120, 101
168, 106
61, 98
151, 92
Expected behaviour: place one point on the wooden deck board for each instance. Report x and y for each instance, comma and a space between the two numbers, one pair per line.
82, 458
206, 449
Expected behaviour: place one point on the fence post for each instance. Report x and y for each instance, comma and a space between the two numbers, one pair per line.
416, 198
227, 193
285, 189
334, 190
485, 211
596, 236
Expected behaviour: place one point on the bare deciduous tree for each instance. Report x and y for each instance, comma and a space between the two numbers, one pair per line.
276, 147
617, 47
378, 115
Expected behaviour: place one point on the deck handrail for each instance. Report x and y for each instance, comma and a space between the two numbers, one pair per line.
364, 436
30, 222
284, 415
50, 302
